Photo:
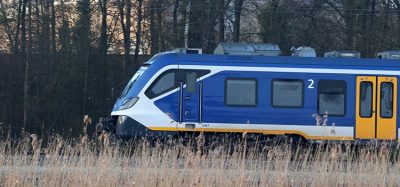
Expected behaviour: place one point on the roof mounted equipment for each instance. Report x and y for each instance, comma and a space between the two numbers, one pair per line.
342, 54
188, 50
303, 52
395, 55
259, 49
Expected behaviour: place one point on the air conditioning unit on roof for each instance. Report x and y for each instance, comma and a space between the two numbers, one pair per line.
389, 55
260, 49
342, 54
188, 50
304, 52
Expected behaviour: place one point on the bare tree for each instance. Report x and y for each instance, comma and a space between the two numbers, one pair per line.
53, 45
16, 40
27, 61
103, 30
138, 32
153, 29
83, 34
7, 24
64, 32
125, 7
23, 27
236, 23
397, 3
103, 47
160, 29
221, 21
175, 24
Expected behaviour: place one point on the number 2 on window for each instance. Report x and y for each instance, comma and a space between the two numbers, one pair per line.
311, 85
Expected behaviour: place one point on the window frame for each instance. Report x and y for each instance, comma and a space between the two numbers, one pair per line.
287, 80
149, 93
372, 100
344, 93
199, 73
240, 78
380, 101
180, 76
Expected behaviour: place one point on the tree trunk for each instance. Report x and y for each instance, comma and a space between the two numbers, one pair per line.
371, 32
26, 76
64, 33
23, 28
127, 34
187, 23
153, 30
175, 25
84, 47
138, 33
397, 2
125, 21
16, 40
160, 26
385, 26
7, 26
211, 18
103, 30
53, 30
236, 23
221, 21
103, 51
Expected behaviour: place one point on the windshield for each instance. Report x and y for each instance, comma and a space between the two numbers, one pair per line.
133, 79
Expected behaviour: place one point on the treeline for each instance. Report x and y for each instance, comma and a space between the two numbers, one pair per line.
62, 59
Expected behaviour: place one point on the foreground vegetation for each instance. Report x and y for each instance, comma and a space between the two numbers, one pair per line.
139, 163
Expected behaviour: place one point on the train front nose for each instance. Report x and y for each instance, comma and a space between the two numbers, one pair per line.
128, 128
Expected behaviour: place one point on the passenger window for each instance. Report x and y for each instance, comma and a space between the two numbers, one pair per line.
386, 100
191, 78
287, 93
366, 89
331, 97
241, 92
164, 83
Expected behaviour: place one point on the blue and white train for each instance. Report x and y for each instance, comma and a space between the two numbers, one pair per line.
313, 98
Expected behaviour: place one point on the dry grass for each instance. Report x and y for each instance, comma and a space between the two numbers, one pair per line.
175, 164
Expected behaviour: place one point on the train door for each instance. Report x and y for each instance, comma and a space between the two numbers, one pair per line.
191, 97
376, 107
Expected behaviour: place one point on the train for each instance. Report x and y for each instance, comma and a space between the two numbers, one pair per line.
237, 90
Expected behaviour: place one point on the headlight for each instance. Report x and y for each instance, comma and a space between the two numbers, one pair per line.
128, 103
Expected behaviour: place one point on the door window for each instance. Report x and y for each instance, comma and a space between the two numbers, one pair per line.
191, 78
366, 89
386, 101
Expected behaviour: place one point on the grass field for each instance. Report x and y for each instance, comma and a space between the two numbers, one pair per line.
175, 164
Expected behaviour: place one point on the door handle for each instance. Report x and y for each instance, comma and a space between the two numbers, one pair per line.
187, 97
187, 112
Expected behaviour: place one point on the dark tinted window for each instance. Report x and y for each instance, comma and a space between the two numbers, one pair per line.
331, 97
241, 92
164, 83
170, 79
366, 89
287, 93
386, 100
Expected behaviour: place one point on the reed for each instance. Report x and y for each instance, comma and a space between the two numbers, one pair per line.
139, 163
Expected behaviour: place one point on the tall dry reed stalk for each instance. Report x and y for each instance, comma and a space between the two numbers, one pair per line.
175, 164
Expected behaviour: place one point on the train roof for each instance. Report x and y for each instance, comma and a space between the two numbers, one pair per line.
244, 60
